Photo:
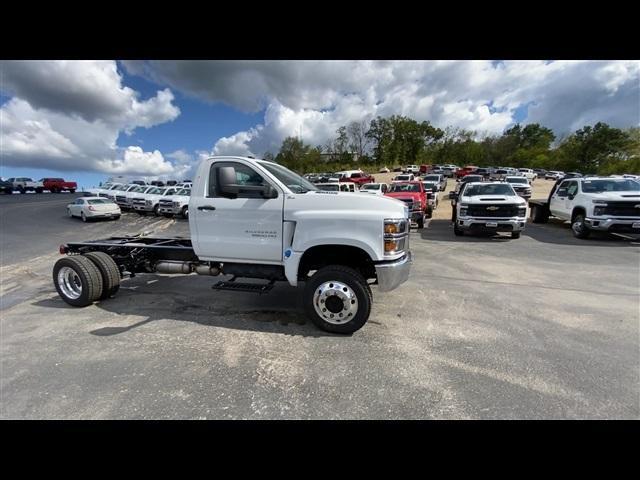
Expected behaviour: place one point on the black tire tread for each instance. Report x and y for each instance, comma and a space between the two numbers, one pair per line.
109, 272
92, 283
351, 326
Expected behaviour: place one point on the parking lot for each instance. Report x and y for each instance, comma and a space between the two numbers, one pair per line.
546, 326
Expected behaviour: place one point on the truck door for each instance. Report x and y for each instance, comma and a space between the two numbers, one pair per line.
246, 228
558, 201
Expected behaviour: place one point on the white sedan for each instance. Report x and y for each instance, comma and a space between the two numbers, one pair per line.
93, 207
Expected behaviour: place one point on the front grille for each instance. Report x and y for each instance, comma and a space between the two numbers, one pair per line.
622, 209
121, 199
138, 202
492, 210
166, 204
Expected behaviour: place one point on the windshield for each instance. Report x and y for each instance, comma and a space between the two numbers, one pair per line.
490, 189
404, 187
435, 178
156, 191
517, 180
599, 186
430, 185
292, 180
472, 178
184, 191
371, 186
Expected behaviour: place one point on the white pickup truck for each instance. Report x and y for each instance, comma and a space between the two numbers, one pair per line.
592, 203
25, 184
251, 218
176, 204
489, 206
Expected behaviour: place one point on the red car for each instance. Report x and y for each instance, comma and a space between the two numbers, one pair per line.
359, 178
463, 172
424, 169
416, 198
55, 185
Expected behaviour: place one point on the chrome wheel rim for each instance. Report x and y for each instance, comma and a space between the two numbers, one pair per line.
69, 282
577, 226
335, 302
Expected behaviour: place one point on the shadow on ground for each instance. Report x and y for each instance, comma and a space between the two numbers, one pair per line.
191, 299
553, 232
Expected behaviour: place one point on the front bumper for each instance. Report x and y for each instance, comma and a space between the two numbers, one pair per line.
613, 224
394, 273
516, 224
143, 208
172, 210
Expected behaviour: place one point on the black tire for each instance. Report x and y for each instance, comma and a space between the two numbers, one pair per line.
457, 231
515, 235
580, 230
117, 217
39, 190
420, 222
185, 212
21, 189
167, 215
108, 270
351, 279
539, 214
72, 191
155, 210
88, 276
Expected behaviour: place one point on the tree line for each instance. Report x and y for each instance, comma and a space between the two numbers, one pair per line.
399, 140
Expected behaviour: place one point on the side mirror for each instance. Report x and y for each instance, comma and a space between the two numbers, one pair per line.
227, 181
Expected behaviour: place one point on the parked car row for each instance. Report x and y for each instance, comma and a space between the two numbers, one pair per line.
26, 184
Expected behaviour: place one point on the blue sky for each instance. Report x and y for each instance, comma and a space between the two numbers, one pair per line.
88, 120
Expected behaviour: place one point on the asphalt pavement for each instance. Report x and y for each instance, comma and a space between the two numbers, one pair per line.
546, 326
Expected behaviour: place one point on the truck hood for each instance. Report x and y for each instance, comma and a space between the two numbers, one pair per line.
344, 203
486, 199
400, 195
177, 198
616, 196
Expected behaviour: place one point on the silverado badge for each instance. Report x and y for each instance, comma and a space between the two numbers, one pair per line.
492, 208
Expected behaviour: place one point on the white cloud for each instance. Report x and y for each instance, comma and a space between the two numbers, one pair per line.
312, 99
68, 115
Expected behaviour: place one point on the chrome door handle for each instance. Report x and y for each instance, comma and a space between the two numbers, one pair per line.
207, 207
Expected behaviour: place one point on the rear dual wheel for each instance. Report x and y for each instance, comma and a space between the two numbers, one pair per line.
80, 280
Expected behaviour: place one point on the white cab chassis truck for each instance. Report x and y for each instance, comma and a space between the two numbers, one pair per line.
250, 218
592, 204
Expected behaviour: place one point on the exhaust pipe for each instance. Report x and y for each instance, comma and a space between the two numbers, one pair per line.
182, 268
173, 267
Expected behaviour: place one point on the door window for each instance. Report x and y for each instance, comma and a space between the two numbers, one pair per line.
245, 175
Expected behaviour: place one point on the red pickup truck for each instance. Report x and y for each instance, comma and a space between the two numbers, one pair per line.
416, 198
55, 185
463, 172
359, 178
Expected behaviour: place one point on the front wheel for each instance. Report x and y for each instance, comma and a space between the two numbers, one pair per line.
338, 299
185, 213
580, 230
72, 191
515, 235
420, 222
155, 210
457, 230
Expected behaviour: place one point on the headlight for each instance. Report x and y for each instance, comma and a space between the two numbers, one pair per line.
395, 226
147, 202
463, 210
522, 211
597, 211
600, 202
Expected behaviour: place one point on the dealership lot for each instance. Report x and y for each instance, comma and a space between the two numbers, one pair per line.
541, 327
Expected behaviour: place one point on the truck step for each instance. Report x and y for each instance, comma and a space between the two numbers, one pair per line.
259, 288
